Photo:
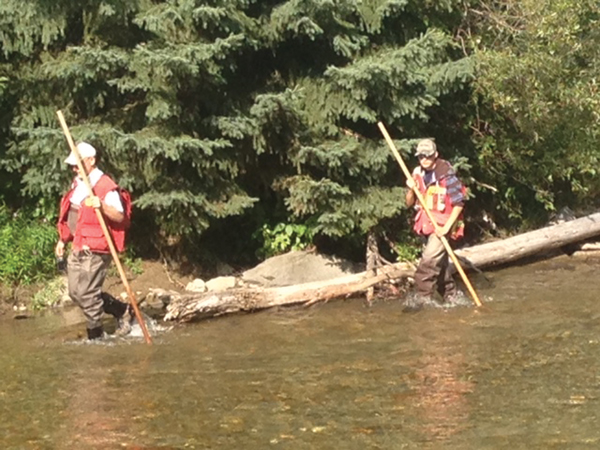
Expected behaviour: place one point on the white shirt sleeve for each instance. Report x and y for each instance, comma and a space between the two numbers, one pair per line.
114, 199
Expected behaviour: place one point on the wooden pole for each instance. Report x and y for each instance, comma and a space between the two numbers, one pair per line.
107, 235
429, 215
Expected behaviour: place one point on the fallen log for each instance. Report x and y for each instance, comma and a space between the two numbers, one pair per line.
531, 243
198, 306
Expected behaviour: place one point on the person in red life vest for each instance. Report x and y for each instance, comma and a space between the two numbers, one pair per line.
444, 196
90, 256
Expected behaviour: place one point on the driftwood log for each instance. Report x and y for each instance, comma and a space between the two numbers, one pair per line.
196, 306
531, 243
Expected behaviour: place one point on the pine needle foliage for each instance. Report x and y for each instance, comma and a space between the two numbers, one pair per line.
207, 109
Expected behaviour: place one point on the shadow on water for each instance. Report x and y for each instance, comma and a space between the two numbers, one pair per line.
521, 372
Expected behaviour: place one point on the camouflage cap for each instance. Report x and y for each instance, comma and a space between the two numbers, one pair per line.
426, 147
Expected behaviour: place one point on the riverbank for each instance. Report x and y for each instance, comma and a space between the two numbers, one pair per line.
291, 268
148, 274
283, 270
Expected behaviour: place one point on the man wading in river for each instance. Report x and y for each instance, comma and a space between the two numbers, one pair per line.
90, 254
444, 196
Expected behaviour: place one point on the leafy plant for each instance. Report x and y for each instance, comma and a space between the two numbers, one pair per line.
408, 247
133, 263
27, 248
130, 261
285, 237
537, 126
49, 295
3, 81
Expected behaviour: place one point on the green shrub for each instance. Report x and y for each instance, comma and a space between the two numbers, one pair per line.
50, 295
27, 248
408, 247
132, 262
284, 237
129, 261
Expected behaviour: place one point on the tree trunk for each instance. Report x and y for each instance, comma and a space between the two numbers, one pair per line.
371, 256
531, 243
196, 306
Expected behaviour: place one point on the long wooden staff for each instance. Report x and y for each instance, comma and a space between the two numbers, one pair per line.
107, 234
429, 215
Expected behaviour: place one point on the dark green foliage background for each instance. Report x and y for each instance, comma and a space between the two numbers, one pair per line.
223, 117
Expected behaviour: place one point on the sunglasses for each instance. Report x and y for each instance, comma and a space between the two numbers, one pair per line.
425, 156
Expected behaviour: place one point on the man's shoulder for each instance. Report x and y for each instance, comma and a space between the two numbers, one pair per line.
444, 169
107, 183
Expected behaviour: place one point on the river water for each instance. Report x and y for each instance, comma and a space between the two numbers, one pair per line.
522, 372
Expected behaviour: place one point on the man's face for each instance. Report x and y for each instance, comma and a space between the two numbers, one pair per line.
88, 164
428, 162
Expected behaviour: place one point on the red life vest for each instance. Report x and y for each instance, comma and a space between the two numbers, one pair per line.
438, 203
88, 231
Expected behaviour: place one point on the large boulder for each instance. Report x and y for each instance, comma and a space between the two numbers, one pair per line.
298, 267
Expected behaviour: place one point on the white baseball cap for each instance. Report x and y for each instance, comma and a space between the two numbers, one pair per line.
85, 151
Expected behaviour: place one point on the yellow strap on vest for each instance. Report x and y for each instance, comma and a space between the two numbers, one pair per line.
435, 198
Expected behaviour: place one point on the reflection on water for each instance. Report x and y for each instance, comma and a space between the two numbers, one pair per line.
523, 372
442, 407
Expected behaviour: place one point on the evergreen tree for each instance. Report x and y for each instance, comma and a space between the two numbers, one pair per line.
213, 110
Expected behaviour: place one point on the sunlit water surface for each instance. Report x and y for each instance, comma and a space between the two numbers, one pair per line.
521, 372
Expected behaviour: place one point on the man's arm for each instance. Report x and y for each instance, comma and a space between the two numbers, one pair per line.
410, 193
443, 231
457, 199
112, 208
112, 213
410, 198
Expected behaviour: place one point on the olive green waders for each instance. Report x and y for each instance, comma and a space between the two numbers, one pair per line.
434, 271
86, 272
